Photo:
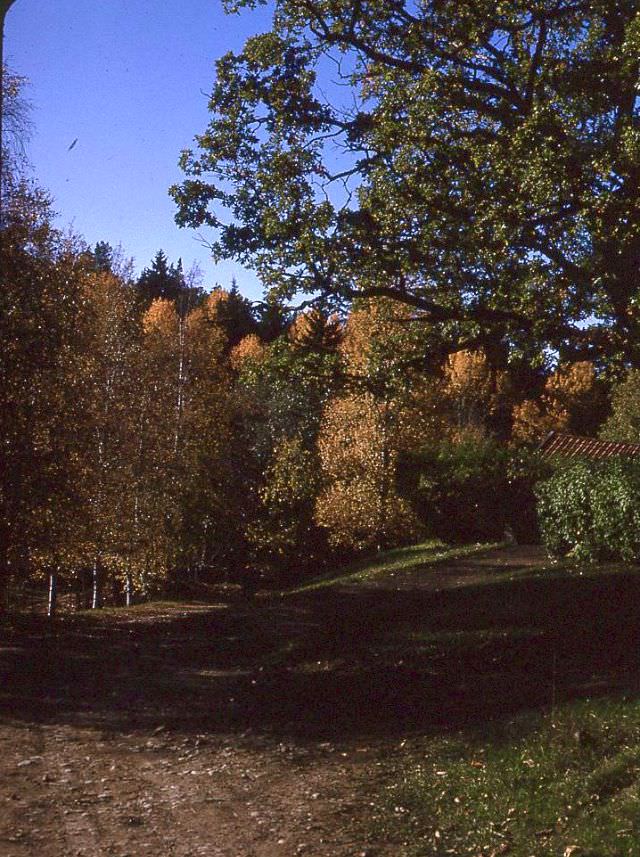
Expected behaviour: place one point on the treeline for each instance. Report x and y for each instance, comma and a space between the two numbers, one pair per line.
154, 435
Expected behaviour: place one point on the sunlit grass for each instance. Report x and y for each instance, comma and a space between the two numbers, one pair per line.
386, 563
565, 782
152, 609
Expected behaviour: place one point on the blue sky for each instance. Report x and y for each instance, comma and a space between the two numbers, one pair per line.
126, 79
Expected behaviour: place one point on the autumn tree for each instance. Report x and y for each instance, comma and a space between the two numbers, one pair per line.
16, 130
283, 537
572, 400
107, 447
41, 310
359, 505
366, 425
250, 351
282, 388
186, 424
473, 391
204, 461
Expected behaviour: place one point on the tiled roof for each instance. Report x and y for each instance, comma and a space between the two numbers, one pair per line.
574, 446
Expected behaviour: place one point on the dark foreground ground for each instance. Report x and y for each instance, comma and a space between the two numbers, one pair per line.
273, 728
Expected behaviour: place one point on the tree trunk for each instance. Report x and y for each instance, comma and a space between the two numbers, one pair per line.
384, 483
128, 590
4, 589
96, 600
53, 594
4, 565
86, 590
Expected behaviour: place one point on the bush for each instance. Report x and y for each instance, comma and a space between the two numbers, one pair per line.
565, 516
624, 420
473, 491
592, 511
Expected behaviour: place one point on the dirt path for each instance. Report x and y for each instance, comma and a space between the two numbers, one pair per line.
69, 791
224, 730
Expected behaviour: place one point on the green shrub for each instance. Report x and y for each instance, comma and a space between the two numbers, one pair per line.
592, 511
473, 491
616, 510
565, 515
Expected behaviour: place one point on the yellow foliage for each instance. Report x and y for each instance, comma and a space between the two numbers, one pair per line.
251, 349
572, 382
473, 391
161, 318
358, 452
468, 370
531, 423
373, 334
214, 304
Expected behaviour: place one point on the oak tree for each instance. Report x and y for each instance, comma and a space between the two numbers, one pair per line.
477, 161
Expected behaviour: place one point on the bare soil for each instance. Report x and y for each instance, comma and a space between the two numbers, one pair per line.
258, 729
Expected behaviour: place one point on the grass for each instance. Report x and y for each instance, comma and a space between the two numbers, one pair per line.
566, 783
561, 779
516, 687
414, 557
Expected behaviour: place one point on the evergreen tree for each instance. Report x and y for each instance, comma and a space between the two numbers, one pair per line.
102, 261
233, 313
161, 281
273, 319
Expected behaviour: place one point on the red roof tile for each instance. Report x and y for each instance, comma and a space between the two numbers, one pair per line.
574, 446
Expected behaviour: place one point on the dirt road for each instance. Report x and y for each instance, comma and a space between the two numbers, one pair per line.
71, 791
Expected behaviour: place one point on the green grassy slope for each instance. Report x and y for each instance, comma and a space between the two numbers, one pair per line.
381, 565
535, 749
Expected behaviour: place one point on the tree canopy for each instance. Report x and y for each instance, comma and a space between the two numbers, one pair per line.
16, 126
478, 161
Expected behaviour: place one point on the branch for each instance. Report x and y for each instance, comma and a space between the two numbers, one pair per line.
535, 64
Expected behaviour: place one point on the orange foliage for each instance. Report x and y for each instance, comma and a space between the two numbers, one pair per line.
373, 336
185, 426
531, 421
571, 384
359, 505
473, 391
161, 318
215, 300
251, 349
567, 392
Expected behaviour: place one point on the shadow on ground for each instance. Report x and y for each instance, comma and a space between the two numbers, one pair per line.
402, 655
